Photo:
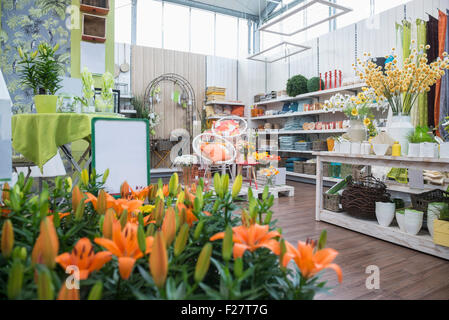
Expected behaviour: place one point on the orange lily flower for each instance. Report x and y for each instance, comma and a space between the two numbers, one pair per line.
124, 245
125, 190
94, 200
47, 244
85, 258
141, 194
119, 205
310, 262
68, 294
251, 238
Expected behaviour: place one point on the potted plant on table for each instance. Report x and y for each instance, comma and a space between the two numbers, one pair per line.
401, 86
41, 72
105, 102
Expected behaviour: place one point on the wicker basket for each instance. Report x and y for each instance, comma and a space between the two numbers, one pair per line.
422, 200
164, 145
298, 166
360, 197
331, 202
319, 145
310, 168
326, 169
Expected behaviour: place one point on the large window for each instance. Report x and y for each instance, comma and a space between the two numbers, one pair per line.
226, 36
202, 32
122, 26
149, 23
243, 38
176, 27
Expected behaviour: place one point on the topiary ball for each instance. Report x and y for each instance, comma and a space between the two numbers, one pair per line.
314, 84
296, 85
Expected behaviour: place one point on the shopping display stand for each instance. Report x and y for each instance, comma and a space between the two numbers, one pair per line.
421, 242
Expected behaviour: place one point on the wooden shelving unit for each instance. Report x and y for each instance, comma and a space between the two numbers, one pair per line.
100, 7
421, 242
94, 28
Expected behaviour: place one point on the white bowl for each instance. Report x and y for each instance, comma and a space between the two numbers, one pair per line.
385, 213
413, 220
380, 149
400, 217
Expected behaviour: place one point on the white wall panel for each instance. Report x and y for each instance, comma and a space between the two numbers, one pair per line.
222, 72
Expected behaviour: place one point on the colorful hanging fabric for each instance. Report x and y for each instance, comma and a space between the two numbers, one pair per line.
444, 92
421, 26
442, 24
399, 42
407, 39
432, 54
414, 111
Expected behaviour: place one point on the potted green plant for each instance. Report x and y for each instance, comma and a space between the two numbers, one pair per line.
41, 72
421, 143
105, 103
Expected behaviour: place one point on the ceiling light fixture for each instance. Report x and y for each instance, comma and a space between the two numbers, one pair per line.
289, 23
278, 52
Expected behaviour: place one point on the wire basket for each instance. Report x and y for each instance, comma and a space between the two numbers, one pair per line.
319, 145
360, 197
331, 202
298, 166
310, 168
421, 201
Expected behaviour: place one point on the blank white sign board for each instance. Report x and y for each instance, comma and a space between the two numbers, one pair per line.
122, 146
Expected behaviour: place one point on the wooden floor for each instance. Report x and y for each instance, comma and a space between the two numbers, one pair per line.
404, 273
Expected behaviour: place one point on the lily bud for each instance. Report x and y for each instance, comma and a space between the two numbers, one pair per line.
283, 251
124, 218
68, 183
224, 183
268, 217
158, 260
15, 279
246, 220
160, 194
198, 230
20, 52
141, 240
140, 219
19, 253
77, 196
108, 221
105, 176
101, 202
238, 267
45, 289
96, 292
227, 244
237, 186
217, 184
181, 239
159, 211
173, 184
151, 230
125, 191
5, 192
169, 225
47, 245
56, 47
68, 294
79, 212
181, 198
7, 242
202, 265
34, 54
85, 177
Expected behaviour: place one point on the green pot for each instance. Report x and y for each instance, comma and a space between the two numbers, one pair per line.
45, 103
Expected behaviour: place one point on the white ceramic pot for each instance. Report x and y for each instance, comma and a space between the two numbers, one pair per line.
337, 146
413, 220
356, 148
345, 147
433, 212
414, 149
366, 148
357, 131
428, 149
385, 213
380, 149
400, 219
444, 150
399, 129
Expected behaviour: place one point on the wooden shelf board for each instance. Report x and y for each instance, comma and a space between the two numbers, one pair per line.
293, 114
421, 242
285, 132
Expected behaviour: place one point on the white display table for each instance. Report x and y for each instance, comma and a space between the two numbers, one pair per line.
422, 242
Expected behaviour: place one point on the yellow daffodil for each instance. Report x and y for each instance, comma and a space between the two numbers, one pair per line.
367, 122
354, 112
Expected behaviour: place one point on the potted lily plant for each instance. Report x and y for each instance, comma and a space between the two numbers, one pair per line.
41, 71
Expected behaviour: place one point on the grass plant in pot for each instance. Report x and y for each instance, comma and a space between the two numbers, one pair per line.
41, 72
401, 86
421, 143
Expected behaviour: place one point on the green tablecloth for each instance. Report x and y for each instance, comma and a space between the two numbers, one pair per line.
38, 136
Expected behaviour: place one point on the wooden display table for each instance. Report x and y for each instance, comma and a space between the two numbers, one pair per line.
421, 242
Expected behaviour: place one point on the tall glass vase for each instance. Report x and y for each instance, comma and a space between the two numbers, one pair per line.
399, 129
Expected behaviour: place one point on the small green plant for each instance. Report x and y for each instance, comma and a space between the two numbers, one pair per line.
314, 84
421, 134
444, 213
296, 85
139, 105
40, 70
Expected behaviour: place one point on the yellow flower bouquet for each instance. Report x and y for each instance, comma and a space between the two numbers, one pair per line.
402, 85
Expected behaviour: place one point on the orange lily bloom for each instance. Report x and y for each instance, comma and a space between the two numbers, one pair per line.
47, 244
119, 205
310, 262
251, 238
125, 190
141, 194
165, 190
124, 245
84, 257
68, 294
